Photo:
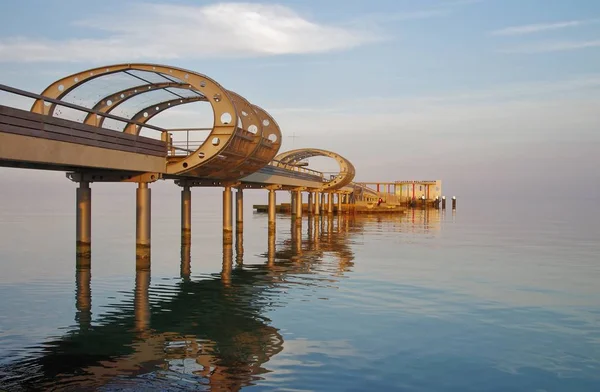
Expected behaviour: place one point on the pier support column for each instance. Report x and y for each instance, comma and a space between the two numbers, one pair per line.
239, 210
293, 203
298, 205
310, 203
323, 204
339, 203
454, 202
83, 235
142, 220
330, 203
227, 216
272, 210
317, 204
443, 202
186, 215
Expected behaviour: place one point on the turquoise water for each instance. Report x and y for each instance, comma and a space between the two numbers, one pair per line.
488, 298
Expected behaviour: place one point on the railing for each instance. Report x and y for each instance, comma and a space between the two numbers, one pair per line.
298, 169
187, 146
48, 101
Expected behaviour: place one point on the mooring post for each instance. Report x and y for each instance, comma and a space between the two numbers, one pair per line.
443, 202
310, 203
83, 235
298, 206
317, 203
227, 216
454, 202
142, 232
271, 210
239, 210
186, 214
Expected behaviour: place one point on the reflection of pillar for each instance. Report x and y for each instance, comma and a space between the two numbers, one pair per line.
185, 269
271, 210
239, 248
227, 264
330, 203
339, 203
83, 234
310, 203
271, 249
297, 238
317, 235
186, 214
227, 216
141, 302
317, 203
329, 228
143, 204
239, 210
83, 296
299, 206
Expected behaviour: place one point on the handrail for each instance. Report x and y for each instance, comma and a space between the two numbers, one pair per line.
27, 94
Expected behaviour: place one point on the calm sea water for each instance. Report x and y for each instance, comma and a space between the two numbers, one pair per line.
490, 298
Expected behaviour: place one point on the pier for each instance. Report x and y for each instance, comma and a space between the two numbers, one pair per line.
93, 141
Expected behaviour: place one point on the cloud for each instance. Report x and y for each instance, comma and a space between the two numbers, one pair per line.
547, 47
536, 28
165, 31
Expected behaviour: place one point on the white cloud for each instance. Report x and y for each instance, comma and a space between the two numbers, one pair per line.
165, 31
536, 28
547, 47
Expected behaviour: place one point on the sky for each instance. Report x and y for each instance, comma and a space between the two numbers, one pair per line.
497, 98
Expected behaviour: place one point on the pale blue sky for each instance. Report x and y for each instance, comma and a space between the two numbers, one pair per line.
504, 93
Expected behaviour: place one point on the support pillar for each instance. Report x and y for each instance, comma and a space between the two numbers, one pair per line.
323, 204
227, 216
142, 232
298, 205
83, 234
272, 211
310, 203
317, 203
339, 203
330, 203
186, 215
293, 203
239, 211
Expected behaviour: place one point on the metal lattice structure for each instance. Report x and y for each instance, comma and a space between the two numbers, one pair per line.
243, 138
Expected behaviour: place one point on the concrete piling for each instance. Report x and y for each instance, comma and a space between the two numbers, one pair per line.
186, 215
83, 223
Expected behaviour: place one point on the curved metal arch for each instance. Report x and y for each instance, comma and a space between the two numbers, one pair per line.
224, 110
110, 102
145, 114
271, 130
344, 177
252, 124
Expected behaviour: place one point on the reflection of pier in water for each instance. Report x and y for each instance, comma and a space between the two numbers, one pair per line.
210, 332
